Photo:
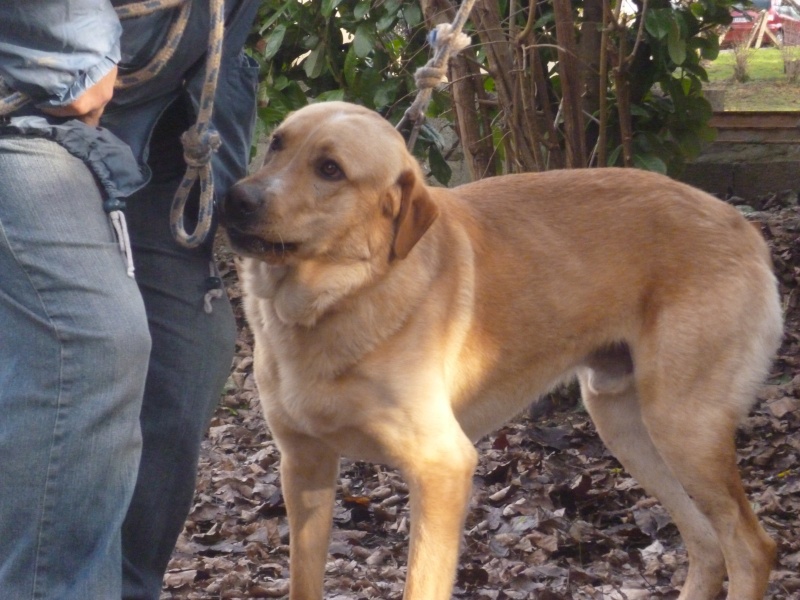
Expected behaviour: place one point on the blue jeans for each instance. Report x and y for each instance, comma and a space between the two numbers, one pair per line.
82, 397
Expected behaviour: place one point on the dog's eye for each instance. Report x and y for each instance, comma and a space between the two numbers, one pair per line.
276, 144
330, 170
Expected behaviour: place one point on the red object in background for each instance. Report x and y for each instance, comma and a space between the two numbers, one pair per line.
783, 20
745, 18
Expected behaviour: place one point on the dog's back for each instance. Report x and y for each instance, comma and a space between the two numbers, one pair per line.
581, 260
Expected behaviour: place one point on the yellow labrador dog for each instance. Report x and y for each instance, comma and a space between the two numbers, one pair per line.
396, 322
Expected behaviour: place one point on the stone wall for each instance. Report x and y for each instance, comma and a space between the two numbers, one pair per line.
746, 170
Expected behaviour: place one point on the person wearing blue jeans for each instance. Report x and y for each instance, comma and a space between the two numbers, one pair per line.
107, 382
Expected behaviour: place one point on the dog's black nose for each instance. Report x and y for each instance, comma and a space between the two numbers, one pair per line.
243, 200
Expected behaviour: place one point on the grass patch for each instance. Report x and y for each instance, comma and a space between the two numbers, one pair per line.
764, 63
768, 89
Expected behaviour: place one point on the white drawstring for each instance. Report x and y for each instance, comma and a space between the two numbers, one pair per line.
121, 228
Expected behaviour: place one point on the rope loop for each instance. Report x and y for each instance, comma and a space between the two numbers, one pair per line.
199, 145
446, 39
205, 208
198, 148
429, 77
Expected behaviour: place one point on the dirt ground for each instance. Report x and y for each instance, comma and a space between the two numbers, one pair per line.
553, 516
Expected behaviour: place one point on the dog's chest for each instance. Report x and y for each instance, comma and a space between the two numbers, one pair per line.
313, 376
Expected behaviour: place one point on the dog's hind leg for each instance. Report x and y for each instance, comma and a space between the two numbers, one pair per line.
309, 470
697, 442
697, 373
611, 400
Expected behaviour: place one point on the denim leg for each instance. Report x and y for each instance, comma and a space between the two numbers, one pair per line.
191, 359
74, 348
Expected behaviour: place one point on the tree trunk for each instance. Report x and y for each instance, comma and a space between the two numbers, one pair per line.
589, 59
572, 106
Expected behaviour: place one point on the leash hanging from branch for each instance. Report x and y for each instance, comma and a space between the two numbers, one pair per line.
446, 39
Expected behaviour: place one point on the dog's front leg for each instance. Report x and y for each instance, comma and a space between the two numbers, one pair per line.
439, 473
309, 470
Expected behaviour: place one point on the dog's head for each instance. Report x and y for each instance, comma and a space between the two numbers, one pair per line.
337, 184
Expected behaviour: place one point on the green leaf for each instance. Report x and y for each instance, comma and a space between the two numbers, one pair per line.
696, 70
613, 156
295, 96
392, 6
331, 95
431, 134
439, 167
386, 93
547, 19
361, 10
350, 67
277, 14
649, 162
368, 83
314, 62
676, 45
386, 22
280, 82
658, 22
412, 14
274, 41
271, 116
710, 50
364, 40
328, 6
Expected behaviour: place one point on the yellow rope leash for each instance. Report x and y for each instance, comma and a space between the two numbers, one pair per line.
200, 142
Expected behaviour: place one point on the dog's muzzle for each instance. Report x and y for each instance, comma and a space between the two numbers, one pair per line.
242, 204
242, 212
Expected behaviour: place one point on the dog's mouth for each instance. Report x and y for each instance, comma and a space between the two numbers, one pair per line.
259, 247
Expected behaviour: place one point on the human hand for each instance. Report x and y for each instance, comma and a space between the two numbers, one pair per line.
90, 105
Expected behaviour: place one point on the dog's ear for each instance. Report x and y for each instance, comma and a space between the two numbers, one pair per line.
417, 214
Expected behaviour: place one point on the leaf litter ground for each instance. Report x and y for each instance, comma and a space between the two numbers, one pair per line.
553, 515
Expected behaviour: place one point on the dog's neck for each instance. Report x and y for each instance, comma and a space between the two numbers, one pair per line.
303, 294
319, 300
313, 289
